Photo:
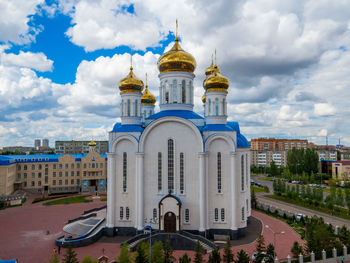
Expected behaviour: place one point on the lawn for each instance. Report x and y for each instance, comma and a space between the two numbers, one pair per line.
260, 189
70, 200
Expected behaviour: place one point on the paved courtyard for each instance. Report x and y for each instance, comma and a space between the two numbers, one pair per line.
28, 233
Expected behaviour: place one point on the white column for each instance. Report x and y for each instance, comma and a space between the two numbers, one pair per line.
234, 185
207, 191
202, 192
111, 187
139, 190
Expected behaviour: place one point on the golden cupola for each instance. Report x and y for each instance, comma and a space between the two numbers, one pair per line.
176, 59
204, 98
147, 97
131, 83
92, 143
216, 81
210, 69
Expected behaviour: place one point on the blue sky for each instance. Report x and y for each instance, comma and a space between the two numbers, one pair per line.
61, 61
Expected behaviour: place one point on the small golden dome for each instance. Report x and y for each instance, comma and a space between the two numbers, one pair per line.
131, 83
204, 98
176, 59
216, 82
148, 98
92, 143
210, 69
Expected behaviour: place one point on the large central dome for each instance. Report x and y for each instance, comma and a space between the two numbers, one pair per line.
176, 59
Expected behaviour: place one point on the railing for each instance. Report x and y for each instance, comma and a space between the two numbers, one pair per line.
94, 209
81, 217
200, 238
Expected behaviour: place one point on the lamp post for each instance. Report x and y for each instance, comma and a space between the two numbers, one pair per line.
274, 238
147, 229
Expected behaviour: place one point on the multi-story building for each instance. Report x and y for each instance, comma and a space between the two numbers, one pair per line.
76, 147
326, 152
264, 158
37, 143
272, 144
45, 143
341, 170
53, 173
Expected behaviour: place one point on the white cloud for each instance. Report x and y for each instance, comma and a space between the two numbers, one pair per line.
37, 61
324, 109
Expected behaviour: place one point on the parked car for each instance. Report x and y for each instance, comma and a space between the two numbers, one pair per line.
299, 216
258, 257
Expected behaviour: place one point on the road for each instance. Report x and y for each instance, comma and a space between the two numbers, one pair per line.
335, 221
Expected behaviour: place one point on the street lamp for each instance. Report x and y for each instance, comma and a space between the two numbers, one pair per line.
148, 229
274, 238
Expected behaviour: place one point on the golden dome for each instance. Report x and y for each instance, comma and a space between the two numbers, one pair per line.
216, 81
148, 98
92, 143
176, 59
210, 69
204, 98
131, 83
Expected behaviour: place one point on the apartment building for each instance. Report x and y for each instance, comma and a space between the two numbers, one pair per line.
341, 170
272, 144
264, 158
76, 147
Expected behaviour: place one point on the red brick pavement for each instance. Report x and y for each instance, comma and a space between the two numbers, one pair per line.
23, 233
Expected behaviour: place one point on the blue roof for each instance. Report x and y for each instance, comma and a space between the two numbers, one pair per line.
242, 142
185, 114
234, 125
216, 127
9, 261
172, 195
118, 127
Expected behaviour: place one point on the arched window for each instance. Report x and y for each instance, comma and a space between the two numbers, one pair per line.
174, 91
155, 213
127, 213
166, 92
209, 103
125, 169
171, 165
191, 93
136, 113
187, 215
128, 110
216, 106
216, 214
25, 167
183, 91
121, 213
242, 172
121, 108
222, 214
223, 107
247, 205
159, 171
243, 217
182, 187
219, 171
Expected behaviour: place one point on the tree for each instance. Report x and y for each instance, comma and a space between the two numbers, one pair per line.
157, 252
70, 256
184, 259
253, 198
273, 169
260, 244
344, 235
215, 256
270, 250
198, 256
124, 256
296, 249
88, 259
168, 253
242, 257
141, 254
228, 254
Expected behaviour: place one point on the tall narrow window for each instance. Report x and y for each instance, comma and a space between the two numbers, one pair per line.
183, 91
222, 214
191, 93
166, 92
243, 217
121, 108
136, 113
121, 213
127, 213
125, 168
219, 171
155, 213
223, 107
246, 204
246, 170
171, 165
187, 215
217, 106
209, 103
182, 187
128, 110
216, 214
174, 91
159, 171
242, 172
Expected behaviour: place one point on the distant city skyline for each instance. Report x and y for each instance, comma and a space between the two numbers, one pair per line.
288, 64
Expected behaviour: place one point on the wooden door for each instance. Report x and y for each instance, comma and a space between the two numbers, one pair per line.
170, 222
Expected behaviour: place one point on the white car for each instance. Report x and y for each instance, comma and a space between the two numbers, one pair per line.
299, 216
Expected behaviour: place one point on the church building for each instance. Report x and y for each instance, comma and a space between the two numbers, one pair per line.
175, 170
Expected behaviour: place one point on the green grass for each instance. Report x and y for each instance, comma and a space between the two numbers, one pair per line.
259, 189
103, 199
103, 194
69, 200
342, 212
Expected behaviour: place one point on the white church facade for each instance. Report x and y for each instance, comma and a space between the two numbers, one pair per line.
176, 170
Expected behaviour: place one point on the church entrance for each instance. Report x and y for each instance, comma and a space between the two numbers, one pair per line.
170, 222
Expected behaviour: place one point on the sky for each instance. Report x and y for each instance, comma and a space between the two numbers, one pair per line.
288, 63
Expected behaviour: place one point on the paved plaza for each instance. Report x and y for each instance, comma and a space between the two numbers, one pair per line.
28, 233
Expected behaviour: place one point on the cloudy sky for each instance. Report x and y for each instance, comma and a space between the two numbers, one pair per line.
288, 63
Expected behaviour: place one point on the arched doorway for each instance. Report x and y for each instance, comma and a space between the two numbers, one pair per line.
170, 222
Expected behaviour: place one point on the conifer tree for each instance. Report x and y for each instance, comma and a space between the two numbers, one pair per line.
215, 256
124, 256
242, 257
228, 254
157, 252
70, 256
141, 254
88, 259
198, 257
168, 253
260, 244
270, 250
185, 259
